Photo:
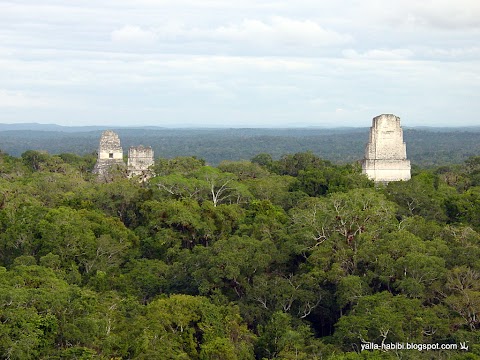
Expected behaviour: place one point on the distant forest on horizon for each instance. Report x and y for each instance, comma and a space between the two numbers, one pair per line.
425, 146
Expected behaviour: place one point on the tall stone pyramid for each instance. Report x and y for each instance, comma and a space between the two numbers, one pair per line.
386, 153
109, 153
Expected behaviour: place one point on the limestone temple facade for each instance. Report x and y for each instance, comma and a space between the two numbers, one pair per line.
110, 153
386, 153
140, 159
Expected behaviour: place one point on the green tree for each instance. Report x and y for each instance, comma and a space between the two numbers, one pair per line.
222, 187
343, 219
423, 195
231, 263
464, 287
181, 165
243, 169
185, 327
86, 238
281, 338
383, 318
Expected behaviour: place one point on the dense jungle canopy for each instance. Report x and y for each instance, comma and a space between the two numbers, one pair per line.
292, 257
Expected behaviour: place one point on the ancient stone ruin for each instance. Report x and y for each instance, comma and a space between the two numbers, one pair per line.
386, 153
110, 154
140, 160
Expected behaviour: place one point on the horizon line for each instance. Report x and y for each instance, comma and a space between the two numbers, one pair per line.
215, 127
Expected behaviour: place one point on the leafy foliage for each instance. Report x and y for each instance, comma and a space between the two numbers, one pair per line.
295, 258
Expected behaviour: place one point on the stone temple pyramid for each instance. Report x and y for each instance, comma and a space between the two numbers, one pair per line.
110, 153
386, 153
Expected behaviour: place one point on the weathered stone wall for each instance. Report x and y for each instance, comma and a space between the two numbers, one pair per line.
140, 159
110, 153
386, 153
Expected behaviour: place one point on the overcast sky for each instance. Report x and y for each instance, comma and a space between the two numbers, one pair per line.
240, 63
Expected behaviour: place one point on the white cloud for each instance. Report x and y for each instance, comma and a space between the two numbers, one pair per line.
434, 14
248, 36
134, 35
276, 31
379, 54
467, 53
220, 64
281, 30
447, 14
19, 99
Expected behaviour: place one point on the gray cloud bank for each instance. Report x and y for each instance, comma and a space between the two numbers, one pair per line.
256, 63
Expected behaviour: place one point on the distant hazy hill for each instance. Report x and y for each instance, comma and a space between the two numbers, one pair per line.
47, 127
425, 146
